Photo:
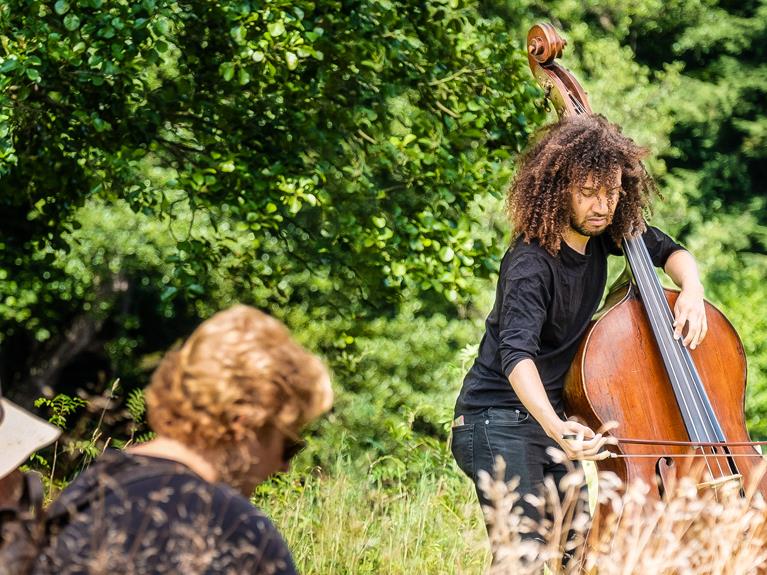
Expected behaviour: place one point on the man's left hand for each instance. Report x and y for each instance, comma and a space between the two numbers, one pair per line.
690, 309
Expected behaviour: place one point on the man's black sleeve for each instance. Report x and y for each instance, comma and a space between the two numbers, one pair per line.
659, 245
527, 288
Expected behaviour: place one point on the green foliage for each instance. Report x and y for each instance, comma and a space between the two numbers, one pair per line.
160, 160
339, 164
60, 407
136, 405
85, 438
397, 380
104, 290
346, 138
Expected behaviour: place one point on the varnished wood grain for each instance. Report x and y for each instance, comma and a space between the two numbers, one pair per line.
618, 374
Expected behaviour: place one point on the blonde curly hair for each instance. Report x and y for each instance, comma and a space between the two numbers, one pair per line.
238, 372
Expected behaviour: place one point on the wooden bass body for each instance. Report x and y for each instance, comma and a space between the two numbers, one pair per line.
618, 375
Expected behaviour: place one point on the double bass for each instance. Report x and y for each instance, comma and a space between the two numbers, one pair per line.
680, 411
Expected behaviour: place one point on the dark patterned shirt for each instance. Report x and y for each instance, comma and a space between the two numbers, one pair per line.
133, 514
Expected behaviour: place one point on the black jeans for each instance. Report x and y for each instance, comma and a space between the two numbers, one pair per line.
518, 439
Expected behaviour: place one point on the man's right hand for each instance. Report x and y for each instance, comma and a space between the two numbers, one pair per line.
580, 442
576, 440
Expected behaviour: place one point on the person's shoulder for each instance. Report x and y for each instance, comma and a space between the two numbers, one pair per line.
117, 481
103, 470
130, 468
240, 513
249, 534
529, 258
532, 250
654, 233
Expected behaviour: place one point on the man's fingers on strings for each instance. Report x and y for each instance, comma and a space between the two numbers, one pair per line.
697, 328
679, 323
692, 333
701, 335
701, 332
696, 340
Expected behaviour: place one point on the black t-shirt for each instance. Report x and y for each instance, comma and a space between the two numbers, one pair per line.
543, 305
161, 519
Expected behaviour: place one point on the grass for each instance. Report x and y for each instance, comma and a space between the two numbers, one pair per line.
350, 521
346, 524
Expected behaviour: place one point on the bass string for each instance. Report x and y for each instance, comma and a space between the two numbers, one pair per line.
682, 355
682, 358
651, 304
654, 307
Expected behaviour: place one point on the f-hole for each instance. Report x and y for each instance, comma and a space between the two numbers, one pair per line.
665, 472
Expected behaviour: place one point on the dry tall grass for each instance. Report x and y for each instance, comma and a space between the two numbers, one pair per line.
689, 532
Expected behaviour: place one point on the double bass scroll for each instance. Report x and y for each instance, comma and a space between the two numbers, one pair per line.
544, 45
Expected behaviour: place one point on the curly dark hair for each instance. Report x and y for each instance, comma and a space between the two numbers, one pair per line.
561, 158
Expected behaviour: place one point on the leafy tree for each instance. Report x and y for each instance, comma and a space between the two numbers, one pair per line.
298, 153
162, 159
349, 137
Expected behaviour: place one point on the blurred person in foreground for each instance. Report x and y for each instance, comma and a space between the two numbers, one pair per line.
227, 408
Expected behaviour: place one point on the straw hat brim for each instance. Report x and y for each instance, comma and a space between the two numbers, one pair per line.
21, 434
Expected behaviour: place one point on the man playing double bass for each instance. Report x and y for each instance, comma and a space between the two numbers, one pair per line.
579, 189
